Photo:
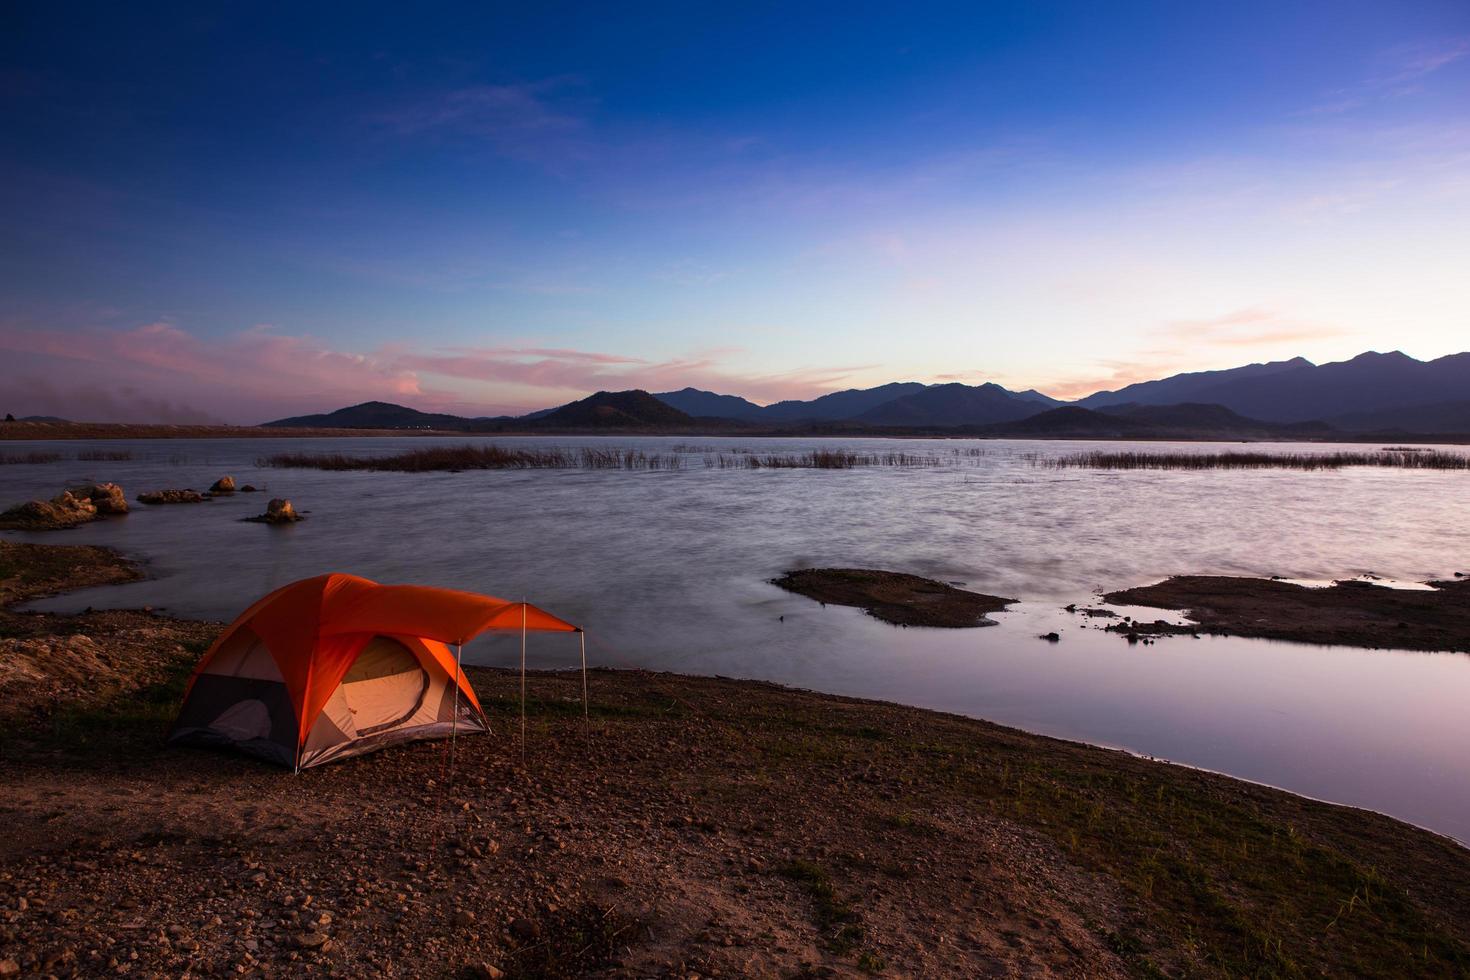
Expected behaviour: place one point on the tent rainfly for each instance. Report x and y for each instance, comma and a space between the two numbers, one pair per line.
335, 666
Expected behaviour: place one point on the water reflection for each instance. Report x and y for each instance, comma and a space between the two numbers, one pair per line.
670, 570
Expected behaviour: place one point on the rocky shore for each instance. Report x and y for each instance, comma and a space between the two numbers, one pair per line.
696, 827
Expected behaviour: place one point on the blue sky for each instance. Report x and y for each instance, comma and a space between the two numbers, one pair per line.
241, 213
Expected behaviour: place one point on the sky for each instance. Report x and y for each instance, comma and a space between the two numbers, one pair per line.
236, 212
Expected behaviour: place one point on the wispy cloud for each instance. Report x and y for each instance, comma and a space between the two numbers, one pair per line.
1250, 327
259, 373
573, 373
533, 121
1198, 344
1399, 71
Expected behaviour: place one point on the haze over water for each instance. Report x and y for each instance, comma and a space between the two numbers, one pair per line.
670, 571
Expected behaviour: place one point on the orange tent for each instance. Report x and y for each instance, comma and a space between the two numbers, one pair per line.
337, 665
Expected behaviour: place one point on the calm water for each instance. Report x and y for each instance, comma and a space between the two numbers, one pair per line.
670, 570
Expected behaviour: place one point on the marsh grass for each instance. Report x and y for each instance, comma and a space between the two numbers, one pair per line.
104, 456
1392, 458
28, 459
454, 458
457, 458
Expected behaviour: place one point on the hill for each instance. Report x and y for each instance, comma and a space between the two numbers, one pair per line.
374, 415
1186, 421
635, 409
708, 404
954, 404
839, 404
1446, 417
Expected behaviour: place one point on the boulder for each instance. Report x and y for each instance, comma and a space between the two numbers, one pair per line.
278, 511
249, 488
108, 498
172, 497
225, 484
62, 511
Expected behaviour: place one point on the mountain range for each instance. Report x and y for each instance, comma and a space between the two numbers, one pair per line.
1372, 392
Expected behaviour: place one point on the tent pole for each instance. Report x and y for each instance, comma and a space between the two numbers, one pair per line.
523, 682
586, 717
454, 722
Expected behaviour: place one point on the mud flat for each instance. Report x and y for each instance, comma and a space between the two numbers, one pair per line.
1348, 613
694, 826
894, 597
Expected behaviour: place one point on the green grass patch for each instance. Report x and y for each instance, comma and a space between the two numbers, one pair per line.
841, 925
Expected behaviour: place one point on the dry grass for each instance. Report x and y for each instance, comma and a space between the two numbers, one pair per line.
456, 458
1393, 458
25, 459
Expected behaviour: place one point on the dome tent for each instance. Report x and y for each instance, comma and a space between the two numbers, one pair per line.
337, 665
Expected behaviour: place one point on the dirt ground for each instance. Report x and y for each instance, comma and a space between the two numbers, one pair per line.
690, 827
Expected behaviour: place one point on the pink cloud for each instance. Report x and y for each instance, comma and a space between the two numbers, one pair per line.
575, 373
257, 374
1200, 345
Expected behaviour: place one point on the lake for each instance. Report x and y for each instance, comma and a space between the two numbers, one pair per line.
670, 570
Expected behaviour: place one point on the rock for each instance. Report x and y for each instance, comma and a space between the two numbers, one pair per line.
485, 971
278, 511
464, 918
1052, 637
250, 488
108, 498
225, 484
62, 511
10, 968
67, 509
172, 497
310, 940
525, 930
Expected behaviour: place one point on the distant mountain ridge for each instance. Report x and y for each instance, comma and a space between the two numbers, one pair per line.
1358, 390
1373, 392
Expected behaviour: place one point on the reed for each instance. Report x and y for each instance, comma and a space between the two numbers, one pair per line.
104, 456
823, 459
455, 458
24, 459
1393, 458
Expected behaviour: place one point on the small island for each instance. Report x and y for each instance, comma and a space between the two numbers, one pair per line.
894, 597
1347, 613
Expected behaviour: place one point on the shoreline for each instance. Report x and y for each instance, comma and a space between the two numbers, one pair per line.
23, 432
699, 825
